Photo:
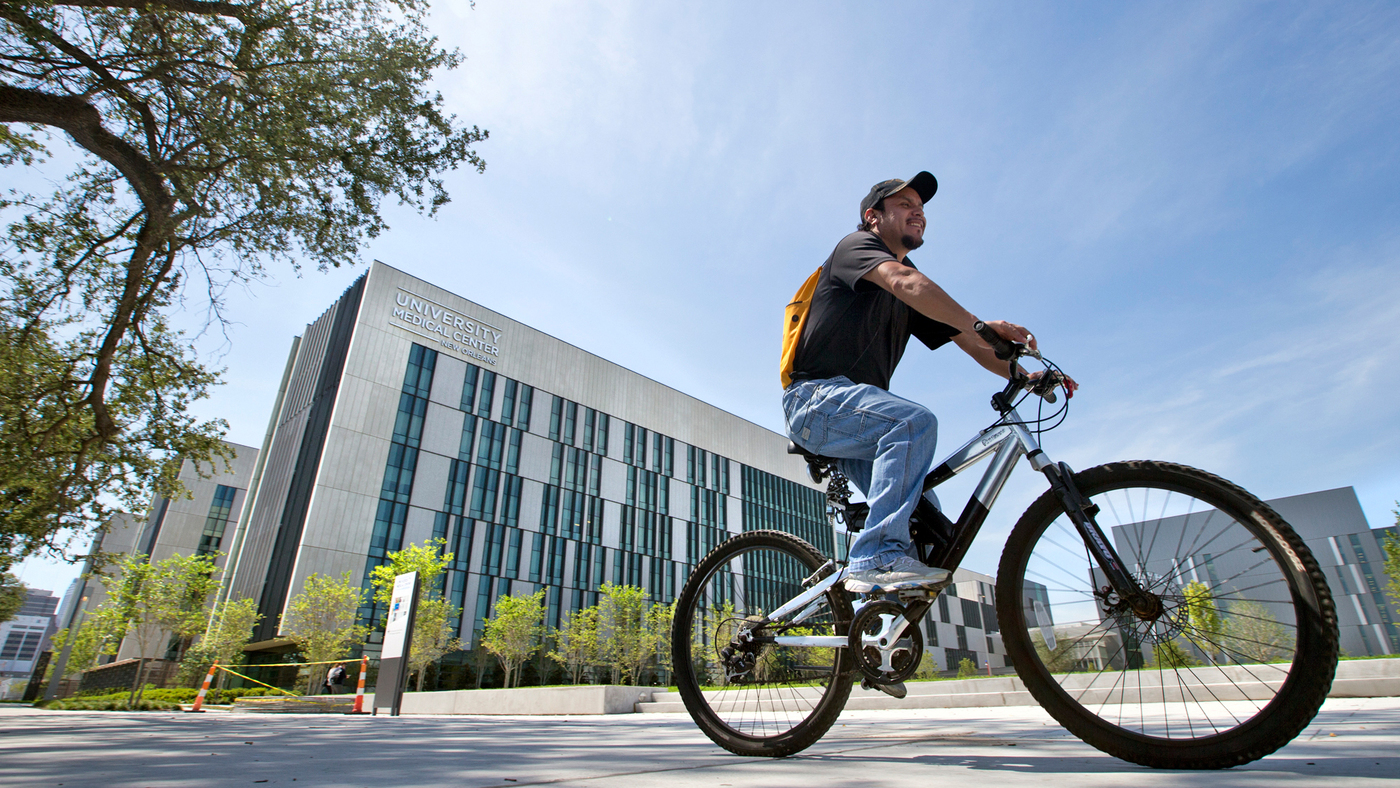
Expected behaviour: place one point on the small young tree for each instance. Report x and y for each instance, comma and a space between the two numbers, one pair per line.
1061, 659
513, 633
1170, 654
576, 642
1206, 624
659, 620
967, 669
432, 625
707, 638
626, 643
321, 621
1252, 634
160, 600
100, 633
1391, 547
228, 632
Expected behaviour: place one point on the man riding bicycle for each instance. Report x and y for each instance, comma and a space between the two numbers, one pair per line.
869, 300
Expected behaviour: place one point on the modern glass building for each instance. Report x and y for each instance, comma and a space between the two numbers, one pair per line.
408, 413
1347, 549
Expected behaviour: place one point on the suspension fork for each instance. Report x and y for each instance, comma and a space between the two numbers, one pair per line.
1081, 511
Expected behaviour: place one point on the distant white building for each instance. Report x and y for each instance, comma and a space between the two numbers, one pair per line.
25, 636
204, 523
962, 624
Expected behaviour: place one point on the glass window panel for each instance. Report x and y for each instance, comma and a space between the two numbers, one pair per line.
486, 394
508, 401
469, 388
522, 412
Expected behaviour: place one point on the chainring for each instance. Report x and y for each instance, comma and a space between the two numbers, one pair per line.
880, 659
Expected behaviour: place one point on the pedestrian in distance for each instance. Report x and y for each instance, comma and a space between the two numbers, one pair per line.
335, 679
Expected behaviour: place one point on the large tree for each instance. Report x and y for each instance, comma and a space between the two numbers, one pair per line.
12, 595
205, 140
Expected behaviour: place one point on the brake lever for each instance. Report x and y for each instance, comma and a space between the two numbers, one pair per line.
1044, 387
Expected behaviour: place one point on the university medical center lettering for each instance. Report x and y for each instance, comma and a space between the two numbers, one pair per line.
467, 336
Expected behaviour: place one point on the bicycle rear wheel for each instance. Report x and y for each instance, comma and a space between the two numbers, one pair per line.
773, 700
1234, 667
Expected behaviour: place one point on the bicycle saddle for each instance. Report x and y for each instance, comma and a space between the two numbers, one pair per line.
818, 467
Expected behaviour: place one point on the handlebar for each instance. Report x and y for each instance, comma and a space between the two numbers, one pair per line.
1006, 350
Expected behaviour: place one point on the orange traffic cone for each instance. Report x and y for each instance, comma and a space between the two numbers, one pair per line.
199, 700
360, 690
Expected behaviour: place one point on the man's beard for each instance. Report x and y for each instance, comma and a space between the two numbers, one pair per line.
910, 242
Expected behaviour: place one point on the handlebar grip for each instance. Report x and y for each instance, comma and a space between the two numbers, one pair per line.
1000, 346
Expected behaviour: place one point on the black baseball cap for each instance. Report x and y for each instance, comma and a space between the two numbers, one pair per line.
925, 184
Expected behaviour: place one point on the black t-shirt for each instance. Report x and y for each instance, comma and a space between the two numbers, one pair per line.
857, 328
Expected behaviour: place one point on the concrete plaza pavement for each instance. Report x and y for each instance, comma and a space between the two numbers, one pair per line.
1352, 742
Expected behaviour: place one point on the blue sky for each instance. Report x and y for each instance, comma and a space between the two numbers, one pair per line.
1195, 207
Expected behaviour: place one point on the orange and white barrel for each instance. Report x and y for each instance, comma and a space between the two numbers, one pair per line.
208, 679
360, 690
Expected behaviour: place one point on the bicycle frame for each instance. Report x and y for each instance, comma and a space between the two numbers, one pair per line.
1006, 442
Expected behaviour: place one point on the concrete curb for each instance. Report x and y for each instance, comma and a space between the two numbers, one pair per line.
1374, 678
588, 699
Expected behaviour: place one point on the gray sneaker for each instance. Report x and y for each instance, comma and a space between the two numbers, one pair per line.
896, 690
905, 572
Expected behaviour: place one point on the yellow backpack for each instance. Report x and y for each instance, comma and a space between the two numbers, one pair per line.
794, 319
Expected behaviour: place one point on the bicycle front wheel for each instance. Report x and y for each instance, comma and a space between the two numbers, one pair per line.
761, 699
1241, 655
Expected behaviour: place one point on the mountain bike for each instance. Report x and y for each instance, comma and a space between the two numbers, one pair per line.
1158, 612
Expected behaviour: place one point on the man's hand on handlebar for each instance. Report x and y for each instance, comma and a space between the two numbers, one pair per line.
1061, 379
1013, 333
1009, 341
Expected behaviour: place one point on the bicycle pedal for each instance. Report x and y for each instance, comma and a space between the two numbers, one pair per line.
913, 594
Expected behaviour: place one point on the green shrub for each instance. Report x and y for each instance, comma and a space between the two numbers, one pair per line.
163, 698
108, 703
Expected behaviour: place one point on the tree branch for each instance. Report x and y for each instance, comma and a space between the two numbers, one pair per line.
233, 10
83, 123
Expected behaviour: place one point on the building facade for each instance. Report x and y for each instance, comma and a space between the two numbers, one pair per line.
962, 624
408, 413
1347, 549
25, 636
205, 523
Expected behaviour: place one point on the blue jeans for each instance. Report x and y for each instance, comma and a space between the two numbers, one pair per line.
885, 445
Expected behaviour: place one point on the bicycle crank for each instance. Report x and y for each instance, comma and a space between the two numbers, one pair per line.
887, 648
